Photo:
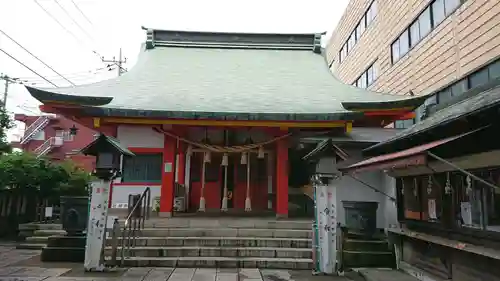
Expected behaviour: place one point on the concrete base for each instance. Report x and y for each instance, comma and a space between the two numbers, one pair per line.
165, 214
281, 216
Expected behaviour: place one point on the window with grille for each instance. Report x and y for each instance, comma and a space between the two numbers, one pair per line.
143, 168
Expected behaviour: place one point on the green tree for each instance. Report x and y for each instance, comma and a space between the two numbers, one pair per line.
26, 172
5, 125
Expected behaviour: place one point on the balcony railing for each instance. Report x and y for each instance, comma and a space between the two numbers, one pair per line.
34, 128
48, 145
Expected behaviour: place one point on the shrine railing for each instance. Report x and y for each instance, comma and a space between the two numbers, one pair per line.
138, 212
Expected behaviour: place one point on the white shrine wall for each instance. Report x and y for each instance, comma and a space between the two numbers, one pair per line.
139, 136
349, 189
136, 137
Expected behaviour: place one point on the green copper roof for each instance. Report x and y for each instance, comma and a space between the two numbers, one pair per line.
227, 73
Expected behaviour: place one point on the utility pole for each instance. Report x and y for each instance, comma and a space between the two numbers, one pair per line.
7, 80
118, 62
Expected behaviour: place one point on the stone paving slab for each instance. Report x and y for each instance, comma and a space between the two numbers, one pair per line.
385, 275
24, 265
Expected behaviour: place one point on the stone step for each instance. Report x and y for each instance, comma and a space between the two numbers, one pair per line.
226, 223
49, 232
36, 226
219, 262
30, 246
221, 241
225, 232
37, 239
195, 251
359, 259
366, 245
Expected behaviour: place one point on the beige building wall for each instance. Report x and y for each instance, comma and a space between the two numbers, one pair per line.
466, 40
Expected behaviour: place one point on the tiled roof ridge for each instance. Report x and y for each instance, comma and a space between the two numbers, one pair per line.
203, 39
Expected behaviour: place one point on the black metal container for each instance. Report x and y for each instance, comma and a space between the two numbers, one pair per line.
74, 214
361, 217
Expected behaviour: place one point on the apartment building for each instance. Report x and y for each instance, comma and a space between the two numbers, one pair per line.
417, 47
49, 136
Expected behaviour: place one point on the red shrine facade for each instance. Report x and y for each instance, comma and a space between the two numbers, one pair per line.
213, 117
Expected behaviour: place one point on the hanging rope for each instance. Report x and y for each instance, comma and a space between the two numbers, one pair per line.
218, 148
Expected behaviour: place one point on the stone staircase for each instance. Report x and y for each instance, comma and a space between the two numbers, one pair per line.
35, 236
360, 251
222, 243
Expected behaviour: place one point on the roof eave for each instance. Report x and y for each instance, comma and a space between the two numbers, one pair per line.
410, 103
45, 97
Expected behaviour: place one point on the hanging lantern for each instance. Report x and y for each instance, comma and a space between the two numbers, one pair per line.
429, 185
447, 186
260, 155
207, 157
244, 158
225, 160
189, 151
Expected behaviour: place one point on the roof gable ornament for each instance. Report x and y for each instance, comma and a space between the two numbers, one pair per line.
317, 43
150, 39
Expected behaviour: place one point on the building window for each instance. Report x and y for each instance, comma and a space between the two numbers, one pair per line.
429, 18
342, 53
143, 168
414, 34
360, 28
39, 136
495, 70
67, 136
438, 12
395, 51
452, 5
479, 78
424, 22
371, 13
366, 78
351, 42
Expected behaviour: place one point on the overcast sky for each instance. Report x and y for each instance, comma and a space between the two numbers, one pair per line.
105, 26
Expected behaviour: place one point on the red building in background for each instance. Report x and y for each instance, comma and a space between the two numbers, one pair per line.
49, 136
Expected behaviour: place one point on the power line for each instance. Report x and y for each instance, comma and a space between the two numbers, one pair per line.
73, 20
78, 73
27, 67
58, 22
81, 12
37, 58
64, 28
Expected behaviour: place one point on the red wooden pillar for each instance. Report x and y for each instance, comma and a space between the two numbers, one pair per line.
181, 176
282, 178
168, 177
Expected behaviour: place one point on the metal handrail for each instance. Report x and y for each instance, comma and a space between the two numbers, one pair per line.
133, 223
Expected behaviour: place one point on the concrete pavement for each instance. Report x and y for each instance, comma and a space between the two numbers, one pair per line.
25, 265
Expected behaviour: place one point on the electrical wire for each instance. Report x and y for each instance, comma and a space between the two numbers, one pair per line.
64, 28
81, 12
27, 67
37, 58
73, 20
59, 23
78, 73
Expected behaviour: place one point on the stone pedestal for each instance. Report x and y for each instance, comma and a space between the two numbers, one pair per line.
64, 249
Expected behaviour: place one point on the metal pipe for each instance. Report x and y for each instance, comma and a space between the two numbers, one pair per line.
461, 170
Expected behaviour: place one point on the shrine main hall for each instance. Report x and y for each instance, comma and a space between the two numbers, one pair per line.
215, 119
